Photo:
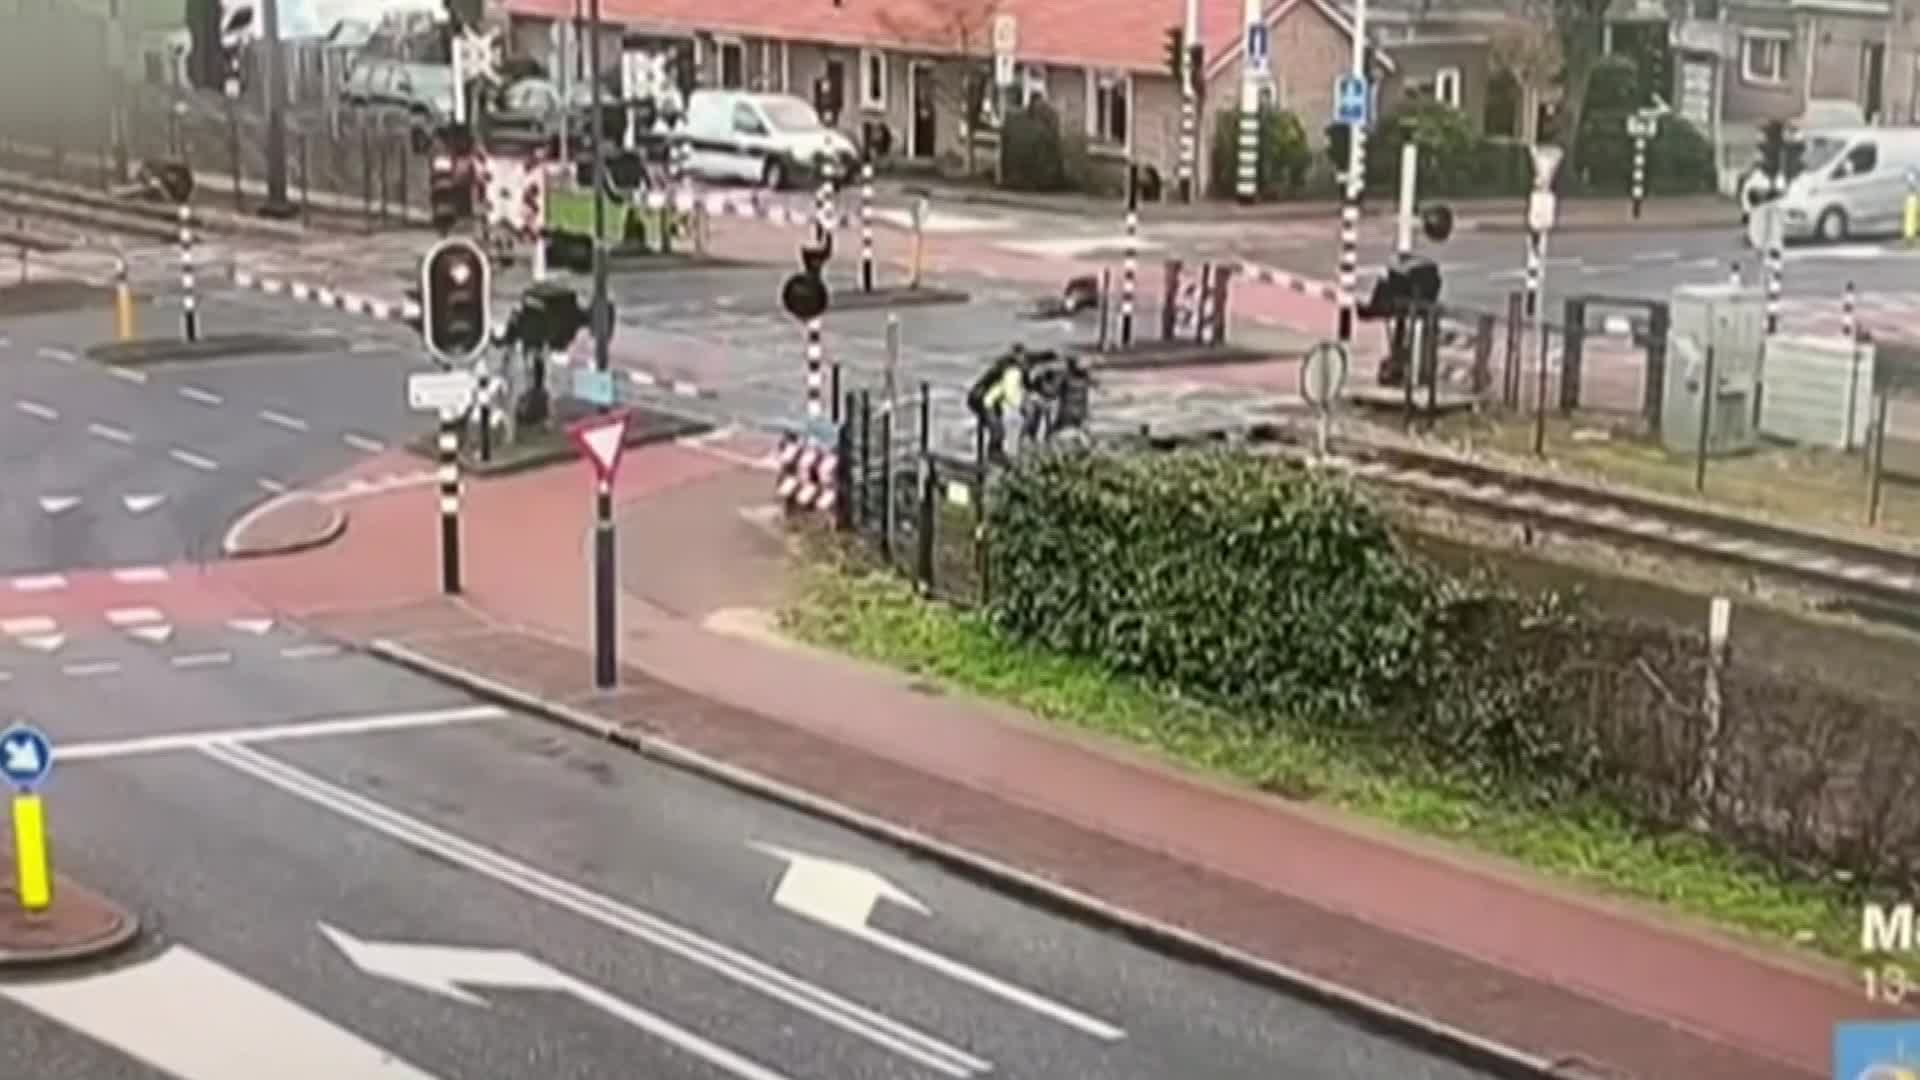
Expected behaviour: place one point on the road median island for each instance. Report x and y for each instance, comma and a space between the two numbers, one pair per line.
150, 352
549, 443
284, 525
45, 296
79, 926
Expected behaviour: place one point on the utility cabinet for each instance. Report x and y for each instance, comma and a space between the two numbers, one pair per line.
1731, 322
1819, 391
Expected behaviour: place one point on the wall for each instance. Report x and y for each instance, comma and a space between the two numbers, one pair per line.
1418, 62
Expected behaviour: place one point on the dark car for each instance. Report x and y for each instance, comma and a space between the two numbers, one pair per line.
529, 112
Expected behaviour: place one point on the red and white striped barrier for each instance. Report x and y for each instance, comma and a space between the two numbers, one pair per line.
753, 205
806, 474
404, 311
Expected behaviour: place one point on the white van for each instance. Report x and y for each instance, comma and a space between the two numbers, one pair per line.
769, 139
1853, 182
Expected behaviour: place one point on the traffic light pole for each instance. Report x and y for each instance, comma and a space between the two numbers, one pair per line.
605, 599
277, 204
598, 320
449, 476
1355, 183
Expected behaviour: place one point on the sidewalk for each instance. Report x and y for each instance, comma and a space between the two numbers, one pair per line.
1371, 922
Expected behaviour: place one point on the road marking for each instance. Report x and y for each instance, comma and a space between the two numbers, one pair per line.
449, 970
363, 443
271, 486
188, 1017
140, 504
189, 458
280, 419
58, 356
141, 575
842, 896
135, 616
158, 634
46, 643
27, 624
850, 1016
110, 433
204, 397
105, 749
132, 375
40, 582
256, 627
1657, 256
205, 659
98, 667
58, 504
37, 410
308, 652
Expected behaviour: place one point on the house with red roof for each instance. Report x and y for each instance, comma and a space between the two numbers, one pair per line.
1101, 64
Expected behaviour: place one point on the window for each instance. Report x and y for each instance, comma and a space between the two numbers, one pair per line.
1446, 87
873, 80
733, 65
1763, 58
1033, 84
1109, 107
1859, 162
837, 83
746, 122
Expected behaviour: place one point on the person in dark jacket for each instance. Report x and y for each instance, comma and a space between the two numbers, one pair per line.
999, 389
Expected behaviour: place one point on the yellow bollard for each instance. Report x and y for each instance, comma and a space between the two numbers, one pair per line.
30, 853
1912, 229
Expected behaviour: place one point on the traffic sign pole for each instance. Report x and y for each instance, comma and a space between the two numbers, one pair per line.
1355, 185
1253, 46
26, 757
602, 440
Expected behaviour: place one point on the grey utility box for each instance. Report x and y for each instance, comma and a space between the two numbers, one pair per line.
1819, 391
1730, 320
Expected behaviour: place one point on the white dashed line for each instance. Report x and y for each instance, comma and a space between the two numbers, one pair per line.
280, 419
27, 625
205, 659
204, 397
37, 410
363, 443
40, 583
136, 616
308, 652
141, 575
132, 375
110, 433
98, 667
271, 486
193, 460
59, 356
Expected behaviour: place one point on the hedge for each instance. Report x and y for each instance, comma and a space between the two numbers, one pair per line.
1283, 595
1282, 161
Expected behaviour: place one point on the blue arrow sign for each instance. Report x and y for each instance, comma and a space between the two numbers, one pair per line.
593, 386
1350, 100
1257, 46
26, 756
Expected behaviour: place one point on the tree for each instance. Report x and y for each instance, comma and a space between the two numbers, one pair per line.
961, 32
1528, 50
1551, 47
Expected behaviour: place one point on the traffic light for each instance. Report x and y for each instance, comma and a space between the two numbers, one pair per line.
455, 283
1197, 62
826, 100
206, 62
1339, 138
449, 190
550, 317
1437, 222
1773, 152
466, 14
1176, 55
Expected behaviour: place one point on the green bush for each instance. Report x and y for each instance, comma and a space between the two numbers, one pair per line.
1035, 153
1280, 169
1679, 158
1449, 149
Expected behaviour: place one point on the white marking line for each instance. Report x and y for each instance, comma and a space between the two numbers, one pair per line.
745, 969
124, 617
305, 729
110, 433
363, 443
141, 575
131, 375
280, 419
205, 659
58, 356
193, 460
39, 582
271, 486
37, 410
27, 625
204, 397
308, 652
98, 667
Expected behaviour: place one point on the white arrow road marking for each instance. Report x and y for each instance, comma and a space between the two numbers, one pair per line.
140, 504
191, 1018
842, 896
443, 970
876, 1027
58, 504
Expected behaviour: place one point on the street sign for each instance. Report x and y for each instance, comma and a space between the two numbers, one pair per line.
1006, 34
1765, 227
26, 756
1003, 70
1350, 98
1323, 374
841, 896
444, 392
1640, 127
479, 55
593, 385
1541, 206
1258, 48
602, 441
1546, 160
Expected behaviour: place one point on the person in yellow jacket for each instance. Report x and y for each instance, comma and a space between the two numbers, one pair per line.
997, 393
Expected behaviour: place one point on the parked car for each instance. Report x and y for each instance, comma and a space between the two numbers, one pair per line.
771, 139
421, 92
1854, 183
528, 113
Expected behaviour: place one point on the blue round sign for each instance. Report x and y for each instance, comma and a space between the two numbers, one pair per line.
26, 756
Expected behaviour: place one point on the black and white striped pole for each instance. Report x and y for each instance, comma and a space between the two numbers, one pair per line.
1355, 85
449, 477
1849, 328
1637, 125
189, 312
1130, 258
1541, 208
1776, 267
1190, 83
1253, 68
866, 224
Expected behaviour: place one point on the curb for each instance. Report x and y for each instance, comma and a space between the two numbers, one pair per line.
1175, 360
143, 353
336, 526
895, 296
1518, 228
125, 932
424, 448
1373, 1013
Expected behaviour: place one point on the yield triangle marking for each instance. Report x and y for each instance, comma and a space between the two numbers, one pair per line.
256, 627
58, 504
156, 635
45, 643
140, 504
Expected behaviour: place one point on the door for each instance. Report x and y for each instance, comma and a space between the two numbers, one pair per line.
752, 142
1873, 75
922, 135
1867, 189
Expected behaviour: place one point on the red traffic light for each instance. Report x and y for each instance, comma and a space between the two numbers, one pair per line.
455, 305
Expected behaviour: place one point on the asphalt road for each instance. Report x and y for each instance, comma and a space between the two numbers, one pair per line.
104, 467
637, 904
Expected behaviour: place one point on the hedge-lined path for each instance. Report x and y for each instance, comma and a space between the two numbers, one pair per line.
1474, 945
